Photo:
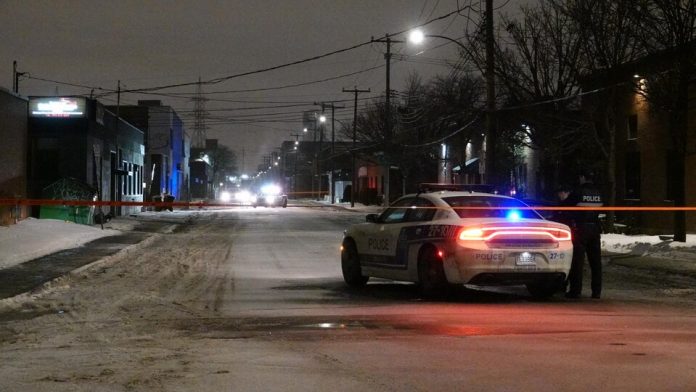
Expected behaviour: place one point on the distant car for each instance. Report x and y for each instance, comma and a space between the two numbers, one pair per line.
245, 197
271, 195
443, 238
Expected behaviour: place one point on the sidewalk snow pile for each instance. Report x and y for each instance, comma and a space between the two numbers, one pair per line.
640, 244
32, 238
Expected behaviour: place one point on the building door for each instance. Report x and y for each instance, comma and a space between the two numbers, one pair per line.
113, 182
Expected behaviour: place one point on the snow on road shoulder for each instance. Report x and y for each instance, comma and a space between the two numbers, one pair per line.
620, 243
32, 238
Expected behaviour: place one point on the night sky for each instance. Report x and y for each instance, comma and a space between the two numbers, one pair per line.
155, 43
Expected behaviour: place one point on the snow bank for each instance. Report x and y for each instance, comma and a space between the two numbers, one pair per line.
620, 243
32, 238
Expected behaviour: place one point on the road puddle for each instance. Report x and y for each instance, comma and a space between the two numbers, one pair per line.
317, 328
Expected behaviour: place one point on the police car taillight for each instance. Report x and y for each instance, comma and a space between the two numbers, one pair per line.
471, 234
489, 233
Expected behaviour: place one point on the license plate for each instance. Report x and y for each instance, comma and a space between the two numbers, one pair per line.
526, 258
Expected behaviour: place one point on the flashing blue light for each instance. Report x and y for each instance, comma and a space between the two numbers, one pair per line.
513, 215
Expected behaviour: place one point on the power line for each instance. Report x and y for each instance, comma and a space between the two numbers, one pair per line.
291, 85
313, 58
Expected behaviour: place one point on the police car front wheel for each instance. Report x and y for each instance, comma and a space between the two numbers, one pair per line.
350, 264
431, 274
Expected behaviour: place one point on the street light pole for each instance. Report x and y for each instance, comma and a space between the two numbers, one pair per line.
354, 177
294, 174
490, 163
317, 156
332, 185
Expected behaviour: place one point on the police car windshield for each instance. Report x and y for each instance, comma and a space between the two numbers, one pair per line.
460, 204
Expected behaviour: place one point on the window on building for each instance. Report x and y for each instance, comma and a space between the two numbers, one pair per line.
632, 190
124, 178
136, 179
632, 127
130, 178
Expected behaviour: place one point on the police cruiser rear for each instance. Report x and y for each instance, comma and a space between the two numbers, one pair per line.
452, 237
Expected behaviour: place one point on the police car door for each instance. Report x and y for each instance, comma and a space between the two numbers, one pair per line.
382, 239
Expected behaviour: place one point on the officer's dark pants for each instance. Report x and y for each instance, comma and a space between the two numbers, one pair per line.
586, 240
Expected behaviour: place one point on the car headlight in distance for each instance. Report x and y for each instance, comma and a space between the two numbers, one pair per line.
243, 196
270, 199
270, 189
225, 197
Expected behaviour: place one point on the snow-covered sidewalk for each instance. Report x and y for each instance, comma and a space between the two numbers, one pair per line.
33, 238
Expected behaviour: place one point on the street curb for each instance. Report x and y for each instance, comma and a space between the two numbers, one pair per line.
342, 208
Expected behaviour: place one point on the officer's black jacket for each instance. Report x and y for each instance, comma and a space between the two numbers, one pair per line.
586, 195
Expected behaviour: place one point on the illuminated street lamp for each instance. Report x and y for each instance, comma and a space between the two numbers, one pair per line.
417, 37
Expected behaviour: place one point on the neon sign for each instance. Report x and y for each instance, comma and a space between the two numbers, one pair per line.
57, 107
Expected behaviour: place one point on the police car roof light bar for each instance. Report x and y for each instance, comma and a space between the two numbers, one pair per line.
437, 187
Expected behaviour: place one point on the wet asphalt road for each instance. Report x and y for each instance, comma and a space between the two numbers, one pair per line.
253, 299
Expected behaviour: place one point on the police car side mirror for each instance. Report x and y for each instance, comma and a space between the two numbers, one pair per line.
372, 218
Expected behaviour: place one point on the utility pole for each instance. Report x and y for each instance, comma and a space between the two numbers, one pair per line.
387, 120
315, 163
491, 175
354, 177
15, 77
294, 170
199, 113
332, 185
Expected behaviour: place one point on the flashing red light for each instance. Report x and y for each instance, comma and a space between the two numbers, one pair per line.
440, 254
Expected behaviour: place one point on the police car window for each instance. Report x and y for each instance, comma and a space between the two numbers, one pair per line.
397, 211
424, 211
459, 204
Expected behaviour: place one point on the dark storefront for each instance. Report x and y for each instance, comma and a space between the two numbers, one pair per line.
76, 138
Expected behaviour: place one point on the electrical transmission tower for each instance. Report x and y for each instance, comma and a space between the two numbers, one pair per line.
199, 113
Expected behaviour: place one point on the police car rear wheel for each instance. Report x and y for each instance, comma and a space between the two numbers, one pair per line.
431, 274
350, 264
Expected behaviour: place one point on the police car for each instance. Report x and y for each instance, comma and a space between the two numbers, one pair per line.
441, 237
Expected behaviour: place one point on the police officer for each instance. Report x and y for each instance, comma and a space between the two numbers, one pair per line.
586, 230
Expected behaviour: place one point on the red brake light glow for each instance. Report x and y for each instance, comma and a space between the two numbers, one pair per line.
488, 233
471, 234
